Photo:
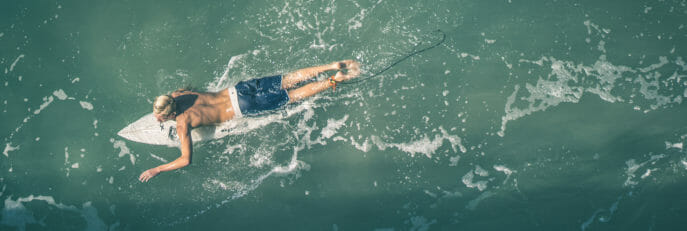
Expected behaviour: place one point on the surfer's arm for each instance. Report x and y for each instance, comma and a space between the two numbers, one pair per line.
184, 132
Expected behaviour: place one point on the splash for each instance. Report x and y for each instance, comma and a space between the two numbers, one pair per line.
425, 145
633, 166
568, 81
332, 126
468, 179
9, 148
15, 62
86, 105
15, 214
123, 150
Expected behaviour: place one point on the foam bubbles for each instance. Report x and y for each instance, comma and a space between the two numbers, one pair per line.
468, 180
568, 81
46, 102
223, 81
15, 214
86, 105
365, 146
454, 161
425, 145
9, 148
505, 170
480, 171
633, 166
332, 126
59, 93
123, 150
15, 62
670, 145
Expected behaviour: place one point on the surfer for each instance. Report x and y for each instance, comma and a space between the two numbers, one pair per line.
247, 98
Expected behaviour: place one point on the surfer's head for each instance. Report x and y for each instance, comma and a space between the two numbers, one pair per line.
164, 108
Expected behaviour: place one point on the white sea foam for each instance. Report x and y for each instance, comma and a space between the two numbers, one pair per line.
454, 160
356, 22
86, 105
480, 171
15, 62
468, 181
365, 147
425, 145
223, 81
123, 150
674, 145
633, 166
159, 158
505, 170
332, 126
66, 155
9, 148
16, 215
568, 81
46, 102
647, 173
261, 158
260, 161
59, 93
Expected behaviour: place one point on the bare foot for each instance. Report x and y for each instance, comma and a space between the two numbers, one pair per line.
353, 69
353, 72
344, 64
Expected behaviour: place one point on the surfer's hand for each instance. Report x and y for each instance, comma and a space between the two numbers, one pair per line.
150, 173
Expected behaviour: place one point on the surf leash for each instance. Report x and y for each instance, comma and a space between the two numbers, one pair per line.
408, 55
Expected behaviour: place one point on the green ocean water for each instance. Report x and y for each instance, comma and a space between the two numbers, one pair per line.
532, 115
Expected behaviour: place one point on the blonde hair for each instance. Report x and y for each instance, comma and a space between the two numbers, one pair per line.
164, 105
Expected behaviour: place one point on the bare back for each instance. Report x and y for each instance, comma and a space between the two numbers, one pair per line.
199, 109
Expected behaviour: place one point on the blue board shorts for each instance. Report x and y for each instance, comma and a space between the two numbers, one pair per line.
257, 96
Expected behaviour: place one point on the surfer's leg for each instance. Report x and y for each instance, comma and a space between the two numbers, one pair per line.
291, 79
319, 86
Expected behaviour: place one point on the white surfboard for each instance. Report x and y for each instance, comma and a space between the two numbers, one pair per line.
148, 131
